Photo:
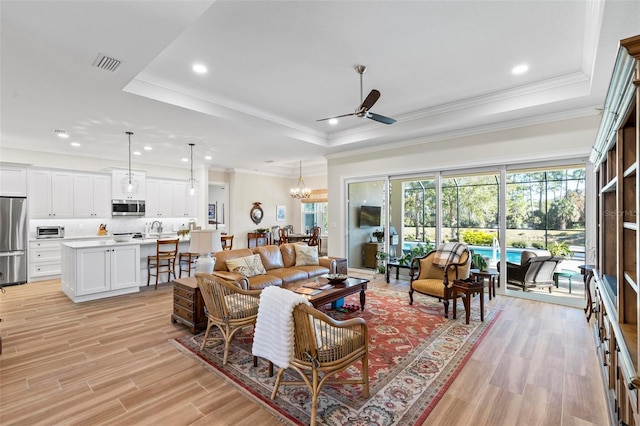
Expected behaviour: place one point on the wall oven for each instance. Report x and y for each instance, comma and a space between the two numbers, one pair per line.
127, 208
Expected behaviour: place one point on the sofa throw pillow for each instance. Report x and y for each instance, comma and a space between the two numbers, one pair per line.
249, 266
306, 255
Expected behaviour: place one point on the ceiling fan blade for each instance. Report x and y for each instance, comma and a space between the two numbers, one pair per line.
337, 116
380, 118
370, 100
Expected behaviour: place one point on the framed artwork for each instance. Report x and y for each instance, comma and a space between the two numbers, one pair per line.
281, 213
212, 211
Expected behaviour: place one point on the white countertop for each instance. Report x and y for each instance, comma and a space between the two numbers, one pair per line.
110, 242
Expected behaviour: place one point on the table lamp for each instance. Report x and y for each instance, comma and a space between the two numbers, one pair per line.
205, 242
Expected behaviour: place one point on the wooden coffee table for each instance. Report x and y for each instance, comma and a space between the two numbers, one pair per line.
349, 286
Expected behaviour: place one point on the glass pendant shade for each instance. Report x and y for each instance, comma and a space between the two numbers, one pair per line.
301, 190
129, 184
192, 183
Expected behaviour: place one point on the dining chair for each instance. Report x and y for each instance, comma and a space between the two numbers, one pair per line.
284, 235
315, 238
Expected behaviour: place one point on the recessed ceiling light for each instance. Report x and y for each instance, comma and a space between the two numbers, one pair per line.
185, 159
333, 121
207, 157
520, 69
147, 148
137, 153
199, 69
75, 144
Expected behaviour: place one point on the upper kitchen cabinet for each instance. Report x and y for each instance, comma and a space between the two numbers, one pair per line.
184, 204
159, 198
91, 195
118, 192
13, 181
50, 194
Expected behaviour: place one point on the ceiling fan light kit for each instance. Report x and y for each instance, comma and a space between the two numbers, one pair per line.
366, 104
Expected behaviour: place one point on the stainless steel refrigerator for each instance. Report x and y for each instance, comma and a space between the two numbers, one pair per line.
13, 240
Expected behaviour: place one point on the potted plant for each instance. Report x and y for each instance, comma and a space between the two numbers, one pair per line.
559, 249
417, 251
479, 261
382, 257
379, 235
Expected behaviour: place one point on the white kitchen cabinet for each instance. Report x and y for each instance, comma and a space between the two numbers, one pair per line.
91, 195
13, 181
184, 204
95, 270
50, 194
138, 180
159, 201
44, 260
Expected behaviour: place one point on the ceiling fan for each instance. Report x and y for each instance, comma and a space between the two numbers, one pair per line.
366, 104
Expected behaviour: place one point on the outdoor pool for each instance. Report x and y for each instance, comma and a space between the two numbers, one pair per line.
513, 254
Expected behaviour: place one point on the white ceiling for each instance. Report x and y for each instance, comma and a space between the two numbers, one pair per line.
275, 67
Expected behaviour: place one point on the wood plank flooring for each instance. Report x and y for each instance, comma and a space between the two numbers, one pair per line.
110, 362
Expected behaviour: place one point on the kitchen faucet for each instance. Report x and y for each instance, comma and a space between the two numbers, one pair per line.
159, 228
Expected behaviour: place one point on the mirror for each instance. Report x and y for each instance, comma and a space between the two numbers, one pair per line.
256, 213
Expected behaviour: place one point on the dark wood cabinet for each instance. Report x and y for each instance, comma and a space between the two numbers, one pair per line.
256, 239
616, 156
369, 252
188, 306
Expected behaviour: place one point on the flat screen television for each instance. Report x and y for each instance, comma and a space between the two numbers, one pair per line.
370, 216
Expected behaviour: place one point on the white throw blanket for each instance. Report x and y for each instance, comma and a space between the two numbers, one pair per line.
273, 336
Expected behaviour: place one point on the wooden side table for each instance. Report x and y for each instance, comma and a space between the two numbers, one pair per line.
491, 274
468, 289
257, 239
188, 305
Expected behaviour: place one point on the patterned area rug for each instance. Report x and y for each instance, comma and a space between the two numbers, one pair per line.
414, 355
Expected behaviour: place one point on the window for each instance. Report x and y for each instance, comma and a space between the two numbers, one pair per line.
314, 214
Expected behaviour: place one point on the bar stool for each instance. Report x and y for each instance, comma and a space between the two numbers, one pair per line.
164, 261
187, 261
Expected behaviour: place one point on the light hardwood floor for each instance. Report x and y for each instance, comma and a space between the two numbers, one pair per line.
110, 362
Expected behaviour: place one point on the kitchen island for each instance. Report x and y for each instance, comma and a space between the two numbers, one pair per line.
101, 268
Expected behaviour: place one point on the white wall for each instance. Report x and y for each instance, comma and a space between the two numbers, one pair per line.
569, 139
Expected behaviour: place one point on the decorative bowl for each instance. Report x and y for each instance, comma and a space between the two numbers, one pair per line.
122, 237
336, 278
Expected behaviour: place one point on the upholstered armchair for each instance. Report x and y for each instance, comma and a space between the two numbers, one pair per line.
428, 278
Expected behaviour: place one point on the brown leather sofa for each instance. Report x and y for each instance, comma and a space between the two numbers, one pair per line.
279, 262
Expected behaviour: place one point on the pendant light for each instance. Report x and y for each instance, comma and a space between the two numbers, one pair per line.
129, 184
300, 191
192, 184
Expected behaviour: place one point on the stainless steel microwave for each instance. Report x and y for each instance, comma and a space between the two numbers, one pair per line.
127, 208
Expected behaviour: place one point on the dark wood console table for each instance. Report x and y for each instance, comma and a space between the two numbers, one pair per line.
256, 239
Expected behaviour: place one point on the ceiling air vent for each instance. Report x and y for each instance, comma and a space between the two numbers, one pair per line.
106, 63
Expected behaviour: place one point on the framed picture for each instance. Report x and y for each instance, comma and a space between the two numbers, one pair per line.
281, 213
212, 212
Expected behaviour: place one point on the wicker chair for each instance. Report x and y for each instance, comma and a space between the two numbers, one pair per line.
431, 280
324, 345
229, 308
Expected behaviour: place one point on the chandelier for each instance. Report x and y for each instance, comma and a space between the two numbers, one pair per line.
192, 184
129, 184
300, 191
